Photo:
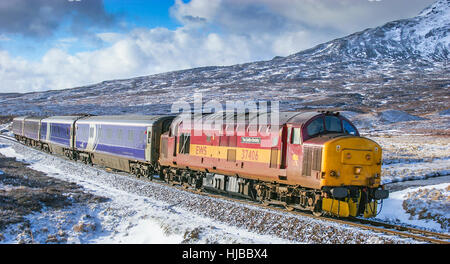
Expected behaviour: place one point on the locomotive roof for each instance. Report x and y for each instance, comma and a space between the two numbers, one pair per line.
228, 117
125, 119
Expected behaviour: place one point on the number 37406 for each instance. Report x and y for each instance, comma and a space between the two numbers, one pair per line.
248, 154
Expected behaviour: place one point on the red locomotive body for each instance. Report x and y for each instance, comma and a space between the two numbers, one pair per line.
309, 161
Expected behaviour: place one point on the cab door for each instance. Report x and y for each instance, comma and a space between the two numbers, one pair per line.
294, 152
149, 144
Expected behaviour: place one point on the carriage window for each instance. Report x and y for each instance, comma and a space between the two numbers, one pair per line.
120, 133
348, 128
333, 124
130, 135
315, 127
109, 133
296, 136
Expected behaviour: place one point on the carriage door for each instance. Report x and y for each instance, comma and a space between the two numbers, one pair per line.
92, 135
294, 152
72, 139
149, 144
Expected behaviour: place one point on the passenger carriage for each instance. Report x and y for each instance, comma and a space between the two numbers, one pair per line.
17, 127
57, 135
128, 142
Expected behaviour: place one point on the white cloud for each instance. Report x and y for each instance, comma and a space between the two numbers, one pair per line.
109, 37
213, 33
140, 52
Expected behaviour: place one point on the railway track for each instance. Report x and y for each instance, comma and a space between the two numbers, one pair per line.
377, 226
368, 224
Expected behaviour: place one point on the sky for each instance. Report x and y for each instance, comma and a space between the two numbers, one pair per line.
59, 44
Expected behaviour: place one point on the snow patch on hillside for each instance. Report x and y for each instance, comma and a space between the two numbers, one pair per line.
427, 207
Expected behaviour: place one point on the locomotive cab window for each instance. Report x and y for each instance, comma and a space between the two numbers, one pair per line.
349, 128
296, 136
315, 127
333, 124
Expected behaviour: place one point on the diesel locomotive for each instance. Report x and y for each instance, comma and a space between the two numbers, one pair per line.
314, 161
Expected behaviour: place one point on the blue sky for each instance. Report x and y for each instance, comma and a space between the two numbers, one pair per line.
58, 44
135, 13
143, 13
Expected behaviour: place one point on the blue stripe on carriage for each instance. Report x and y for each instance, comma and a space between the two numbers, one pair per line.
138, 154
59, 134
58, 140
128, 152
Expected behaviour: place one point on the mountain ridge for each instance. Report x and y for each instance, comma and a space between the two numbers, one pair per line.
396, 65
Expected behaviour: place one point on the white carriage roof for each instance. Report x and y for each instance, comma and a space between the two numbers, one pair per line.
124, 119
19, 118
34, 118
61, 119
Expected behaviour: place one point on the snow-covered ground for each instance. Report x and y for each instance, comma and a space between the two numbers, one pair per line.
414, 157
426, 207
126, 218
140, 211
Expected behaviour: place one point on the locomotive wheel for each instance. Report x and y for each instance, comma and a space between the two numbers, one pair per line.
289, 208
320, 213
317, 211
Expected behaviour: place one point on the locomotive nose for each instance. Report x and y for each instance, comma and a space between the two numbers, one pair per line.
351, 161
351, 174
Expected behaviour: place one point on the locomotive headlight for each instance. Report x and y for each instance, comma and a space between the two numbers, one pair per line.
368, 157
338, 148
357, 170
333, 173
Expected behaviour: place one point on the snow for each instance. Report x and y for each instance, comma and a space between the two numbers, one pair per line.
8, 151
393, 116
393, 210
146, 212
128, 217
140, 211
143, 232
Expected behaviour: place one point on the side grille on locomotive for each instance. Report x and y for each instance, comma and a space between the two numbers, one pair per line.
312, 160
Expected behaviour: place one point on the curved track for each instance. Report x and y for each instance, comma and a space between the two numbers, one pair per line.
377, 226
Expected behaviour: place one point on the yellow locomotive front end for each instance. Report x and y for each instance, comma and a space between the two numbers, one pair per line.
351, 176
